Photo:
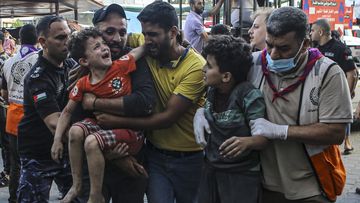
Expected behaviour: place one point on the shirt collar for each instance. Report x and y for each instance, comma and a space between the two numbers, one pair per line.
175, 63
196, 15
48, 64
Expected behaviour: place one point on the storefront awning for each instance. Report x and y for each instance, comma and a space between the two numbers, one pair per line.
25, 8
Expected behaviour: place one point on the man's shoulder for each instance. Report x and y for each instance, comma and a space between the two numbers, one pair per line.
195, 57
36, 73
70, 63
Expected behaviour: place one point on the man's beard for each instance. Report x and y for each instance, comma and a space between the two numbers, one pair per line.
118, 54
199, 11
161, 51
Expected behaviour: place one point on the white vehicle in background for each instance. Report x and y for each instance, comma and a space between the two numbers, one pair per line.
353, 42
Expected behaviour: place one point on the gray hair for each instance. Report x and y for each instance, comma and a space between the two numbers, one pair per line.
288, 19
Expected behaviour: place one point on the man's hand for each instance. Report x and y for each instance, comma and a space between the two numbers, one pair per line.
200, 125
57, 151
263, 127
106, 120
357, 112
234, 146
130, 166
118, 152
88, 101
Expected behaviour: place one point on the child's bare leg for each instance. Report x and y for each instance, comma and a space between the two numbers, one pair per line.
96, 163
76, 148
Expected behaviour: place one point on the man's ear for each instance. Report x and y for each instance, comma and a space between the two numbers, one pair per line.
226, 77
174, 31
83, 62
42, 41
306, 45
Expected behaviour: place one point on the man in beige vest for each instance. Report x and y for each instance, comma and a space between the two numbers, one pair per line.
308, 105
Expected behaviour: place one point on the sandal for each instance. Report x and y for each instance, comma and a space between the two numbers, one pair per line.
348, 151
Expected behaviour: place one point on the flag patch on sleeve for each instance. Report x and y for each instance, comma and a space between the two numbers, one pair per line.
40, 97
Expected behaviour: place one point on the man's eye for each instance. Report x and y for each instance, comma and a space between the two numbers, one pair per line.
109, 32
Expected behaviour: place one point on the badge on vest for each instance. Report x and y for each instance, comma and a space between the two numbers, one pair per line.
329, 54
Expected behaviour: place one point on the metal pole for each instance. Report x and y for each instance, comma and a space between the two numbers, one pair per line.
57, 8
180, 5
76, 15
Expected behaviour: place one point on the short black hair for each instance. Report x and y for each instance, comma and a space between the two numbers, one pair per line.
232, 54
324, 24
288, 19
28, 35
2, 37
43, 26
160, 13
220, 29
77, 43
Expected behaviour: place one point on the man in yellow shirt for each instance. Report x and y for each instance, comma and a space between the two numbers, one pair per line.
174, 160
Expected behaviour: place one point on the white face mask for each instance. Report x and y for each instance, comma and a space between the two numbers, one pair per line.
283, 65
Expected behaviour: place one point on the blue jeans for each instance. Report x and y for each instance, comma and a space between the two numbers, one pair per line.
173, 178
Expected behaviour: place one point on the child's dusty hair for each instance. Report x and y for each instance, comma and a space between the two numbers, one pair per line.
232, 54
77, 43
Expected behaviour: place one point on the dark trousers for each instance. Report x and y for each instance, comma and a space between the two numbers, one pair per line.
122, 188
37, 176
277, 197
4, 141
14, 168
229, 187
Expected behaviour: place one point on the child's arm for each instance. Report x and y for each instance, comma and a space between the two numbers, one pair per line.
234, 146
62, 126
138, 52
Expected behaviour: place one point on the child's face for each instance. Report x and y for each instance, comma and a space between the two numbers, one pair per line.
212, 74
97, 53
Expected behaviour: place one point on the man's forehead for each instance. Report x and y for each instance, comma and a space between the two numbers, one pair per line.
59, 26
151, 26
282, 40
115, 20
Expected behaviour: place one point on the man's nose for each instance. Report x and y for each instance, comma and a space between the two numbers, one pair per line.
274, 54
117, 37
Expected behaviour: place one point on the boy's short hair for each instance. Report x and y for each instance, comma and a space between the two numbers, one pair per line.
220, 29
159, 13
77, 43
232, 54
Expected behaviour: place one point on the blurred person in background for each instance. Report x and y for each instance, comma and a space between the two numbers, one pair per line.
341, 54
12, 90
257, 31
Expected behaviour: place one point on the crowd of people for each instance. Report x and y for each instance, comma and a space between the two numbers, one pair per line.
220, 120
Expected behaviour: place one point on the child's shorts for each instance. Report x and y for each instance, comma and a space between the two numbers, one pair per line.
108, 139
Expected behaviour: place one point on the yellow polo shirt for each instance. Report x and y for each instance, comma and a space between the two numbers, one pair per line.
184, 79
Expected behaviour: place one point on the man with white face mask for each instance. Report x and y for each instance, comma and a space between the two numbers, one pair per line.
308, 105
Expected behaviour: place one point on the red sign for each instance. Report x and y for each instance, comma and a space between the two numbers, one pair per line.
333, 10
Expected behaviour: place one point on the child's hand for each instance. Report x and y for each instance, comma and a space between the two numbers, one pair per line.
57, 151
234, 146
